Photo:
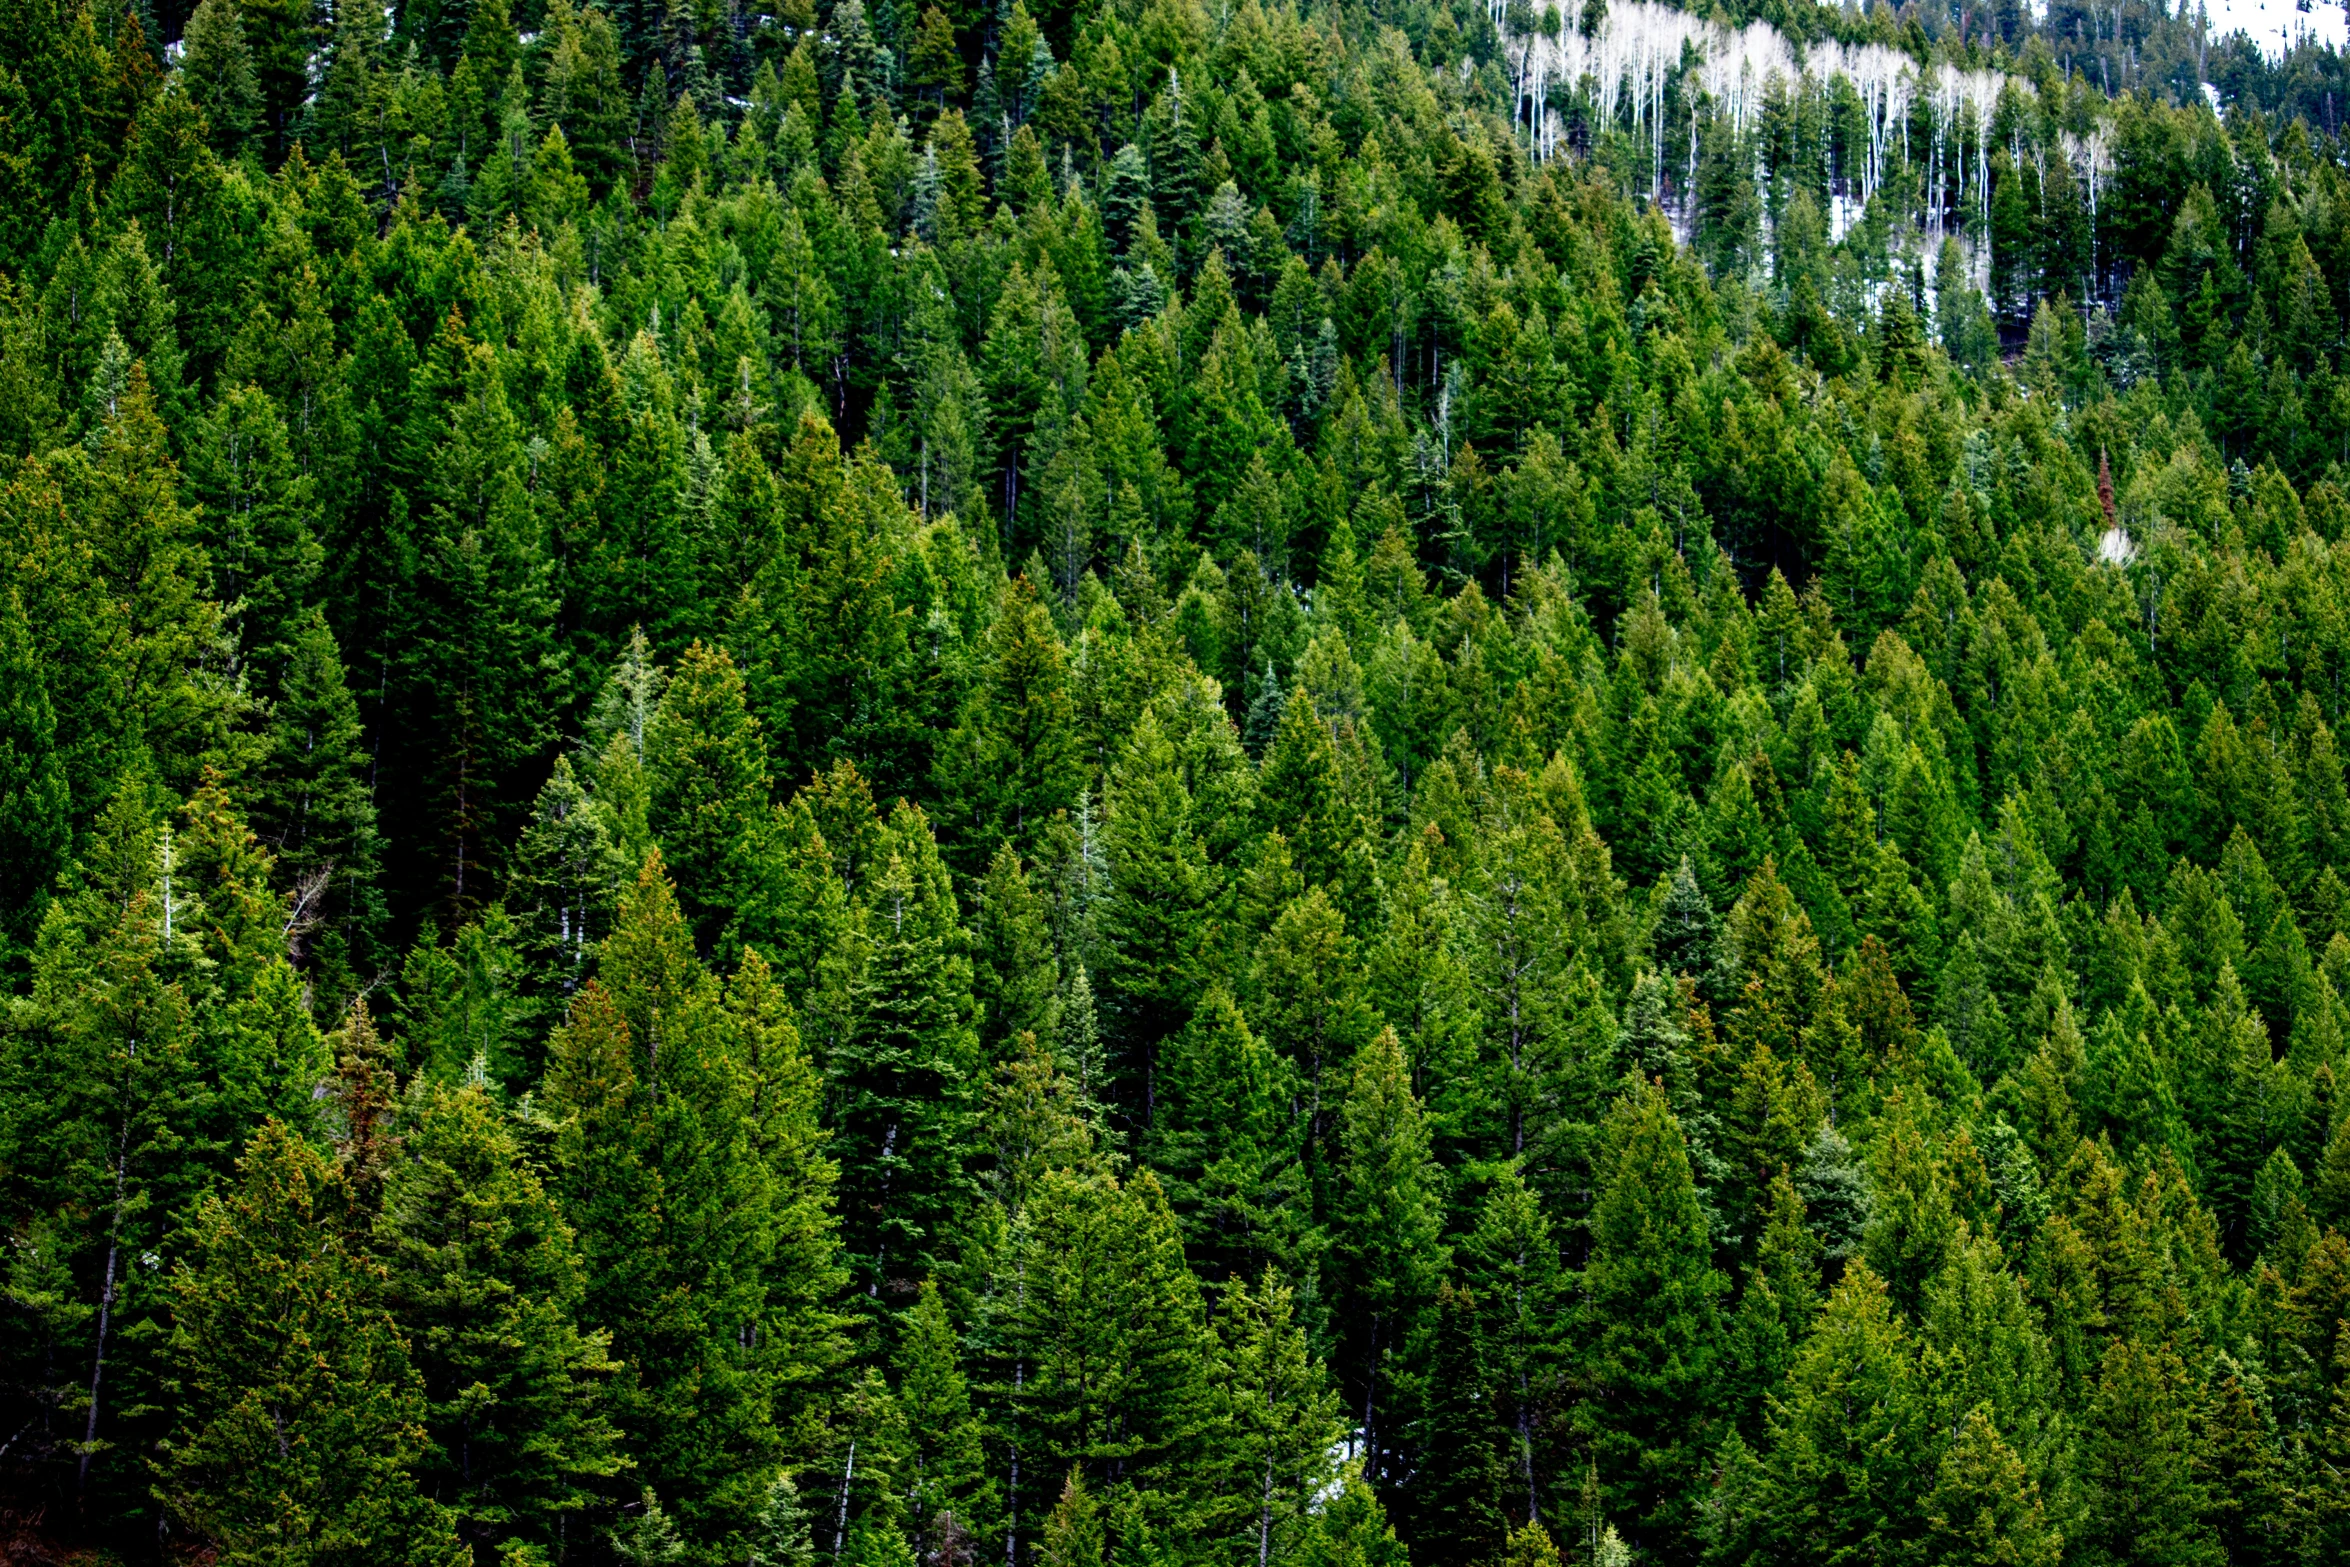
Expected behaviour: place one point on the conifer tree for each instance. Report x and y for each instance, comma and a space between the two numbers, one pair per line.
1984, 1507
566, 884
483, 1280
1511, 1264
1221, 1138
1845, 1458
1651, 1308
1352, 1530
945, 1466
1385, 1223
313, 805
1154, 925
707, 763
661, 1171
35, 827
302, 1420
1279, 1417
1012, 759
1457, 1480
1012, 957
1107, 1352
217, 65
904, 1078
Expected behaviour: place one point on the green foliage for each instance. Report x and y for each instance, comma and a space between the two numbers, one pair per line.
1085, 757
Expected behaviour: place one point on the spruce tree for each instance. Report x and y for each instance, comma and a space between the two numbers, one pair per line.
1279, 1417
947, 1483
1985, 1508
1223, 1139
35, 825
1458, 1470
664, 1172
1510, 1262
1012, 957
1846, 1457
1012, 759
313, 804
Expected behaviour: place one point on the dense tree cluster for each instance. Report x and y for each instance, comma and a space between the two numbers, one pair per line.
913, 785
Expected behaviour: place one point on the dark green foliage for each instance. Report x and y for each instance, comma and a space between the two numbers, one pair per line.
1130, 784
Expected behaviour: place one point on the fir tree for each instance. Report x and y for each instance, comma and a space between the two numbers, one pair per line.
1386, 1226
482, 1278
903, 1078
302, 1420
1651, 1302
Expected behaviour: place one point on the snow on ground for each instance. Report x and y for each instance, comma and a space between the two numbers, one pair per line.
2276, 25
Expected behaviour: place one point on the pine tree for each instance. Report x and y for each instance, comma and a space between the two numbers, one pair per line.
664, 1169
1984, 1508
944, 1462
1012, 759
1279, 1416
1456, 1515
1511, 1264
35, 828
1221, 1139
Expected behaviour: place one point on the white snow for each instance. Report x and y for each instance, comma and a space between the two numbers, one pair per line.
2276, 25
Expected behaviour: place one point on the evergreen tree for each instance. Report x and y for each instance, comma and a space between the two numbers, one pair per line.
1012, 957
947, 1480
1845, 1460
1651, 1308
1984, 1507
35, 827
1154, 925
1456, 1487
314, 806
904, 1078
1511, 1263
1012, 758
662, 1170
216, 64
1386, 1228
707, 763
483, 1281
302, 1418
1222, 1141
1279, 1415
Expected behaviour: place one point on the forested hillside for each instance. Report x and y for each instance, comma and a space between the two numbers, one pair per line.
1165, 784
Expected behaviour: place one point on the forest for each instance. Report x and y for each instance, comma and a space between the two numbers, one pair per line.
1172, 783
